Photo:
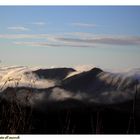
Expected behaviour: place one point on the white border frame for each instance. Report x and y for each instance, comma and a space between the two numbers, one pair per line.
70, 2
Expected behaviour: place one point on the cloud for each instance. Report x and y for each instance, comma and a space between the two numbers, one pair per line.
108, 40
73, 40
86, 25
18, 28
37, 44
106, 88
79, 42
10, 76
80, 68
28, 36
39, 23
53, 44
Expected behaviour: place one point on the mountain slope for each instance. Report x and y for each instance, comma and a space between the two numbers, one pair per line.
90, 102
55, 73
81, 81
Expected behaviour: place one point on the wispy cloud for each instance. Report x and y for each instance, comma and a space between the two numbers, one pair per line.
18, 28
23, 36
46, 44
52, 44
87, 25
108, 40
39, 23
75, 40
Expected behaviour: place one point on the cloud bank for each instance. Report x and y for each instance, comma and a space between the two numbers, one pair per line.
72, 40
18, 28
85, 25
23, 76
102, 88
39, 23
87, 88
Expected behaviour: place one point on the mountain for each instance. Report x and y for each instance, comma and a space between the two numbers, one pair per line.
54, 73
93, 101
91, 87
82, 81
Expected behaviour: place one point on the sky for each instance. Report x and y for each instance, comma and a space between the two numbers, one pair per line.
65, 36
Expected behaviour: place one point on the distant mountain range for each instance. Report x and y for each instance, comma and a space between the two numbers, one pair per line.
92, 86
57, 89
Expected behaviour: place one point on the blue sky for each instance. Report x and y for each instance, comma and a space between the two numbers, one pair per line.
103, 36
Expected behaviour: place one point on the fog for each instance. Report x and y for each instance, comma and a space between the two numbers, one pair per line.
22, 77
104, 88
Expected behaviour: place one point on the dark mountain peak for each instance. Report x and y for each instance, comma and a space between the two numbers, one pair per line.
86, 74
81, 80
54, 73
96, 70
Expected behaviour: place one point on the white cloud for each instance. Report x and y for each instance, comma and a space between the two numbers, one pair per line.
73, 40
54, 44
87, 25
24, 36
108, 40
80, 68
9, 76
39, 23
18, 28
121, 88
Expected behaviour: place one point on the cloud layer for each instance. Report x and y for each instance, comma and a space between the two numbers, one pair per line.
72, 40
23, 76
39, 23
102, 88
18, 28
85, 25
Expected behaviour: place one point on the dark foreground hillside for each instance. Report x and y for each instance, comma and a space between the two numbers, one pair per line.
83, 119
92, 102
